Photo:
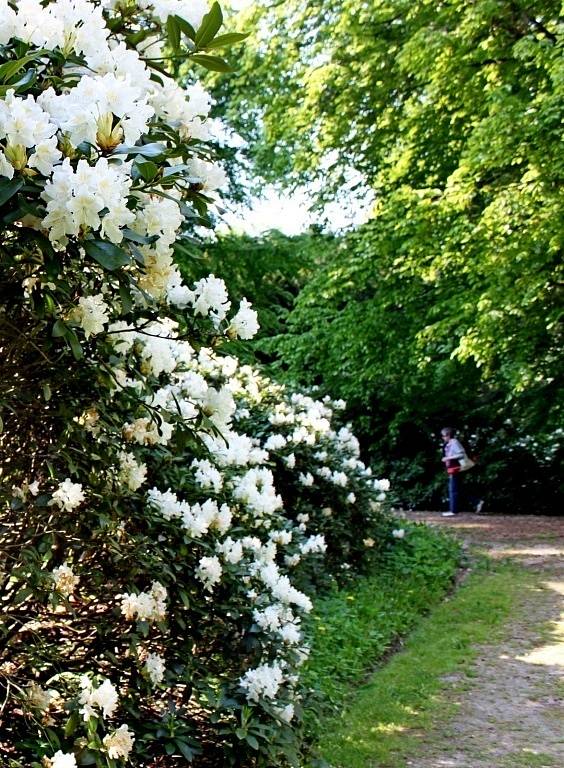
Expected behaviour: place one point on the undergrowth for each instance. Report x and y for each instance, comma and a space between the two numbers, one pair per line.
355, 626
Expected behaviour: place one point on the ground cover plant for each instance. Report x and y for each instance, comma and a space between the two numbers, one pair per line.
155, 557
354, 626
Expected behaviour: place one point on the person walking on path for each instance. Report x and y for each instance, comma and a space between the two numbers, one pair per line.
453, 457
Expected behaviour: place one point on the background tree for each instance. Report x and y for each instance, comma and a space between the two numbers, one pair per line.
449, 301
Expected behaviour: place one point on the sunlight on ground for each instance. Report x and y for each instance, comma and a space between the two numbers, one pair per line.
387, 728
550, 655
528, 551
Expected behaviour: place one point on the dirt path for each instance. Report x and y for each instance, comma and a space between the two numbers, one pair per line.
510, 712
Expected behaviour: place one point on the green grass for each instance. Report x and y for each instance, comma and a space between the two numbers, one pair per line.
393, 710
529, 760
353, 628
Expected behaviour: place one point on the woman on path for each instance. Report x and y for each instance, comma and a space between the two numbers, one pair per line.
453, 454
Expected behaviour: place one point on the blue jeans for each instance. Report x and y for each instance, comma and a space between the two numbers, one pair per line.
453, 492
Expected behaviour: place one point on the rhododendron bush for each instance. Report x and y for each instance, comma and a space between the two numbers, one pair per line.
163, 508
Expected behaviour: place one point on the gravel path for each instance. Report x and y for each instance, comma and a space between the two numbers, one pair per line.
510, 712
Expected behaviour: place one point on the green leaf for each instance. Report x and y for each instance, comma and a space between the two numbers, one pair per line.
11, 68
108, 255
87, 758
74, 344
135, 237
21, 85
173, 33
213, 63
252, 742
59, 329
126, 298
186, 28
228, 39
146, 150
186, 750
146, 169
209, 27
8, 188
72, 724
22, 595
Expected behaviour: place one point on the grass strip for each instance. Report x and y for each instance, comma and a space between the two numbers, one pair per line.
401, 701
354, 627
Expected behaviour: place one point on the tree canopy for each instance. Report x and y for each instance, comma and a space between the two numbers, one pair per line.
451, 112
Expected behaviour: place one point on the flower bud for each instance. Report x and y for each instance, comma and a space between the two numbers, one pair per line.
64, 145
108, 138
16, 155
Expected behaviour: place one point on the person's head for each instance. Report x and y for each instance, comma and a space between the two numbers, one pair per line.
447, 433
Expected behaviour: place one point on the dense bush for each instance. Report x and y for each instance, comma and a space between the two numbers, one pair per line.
148, 562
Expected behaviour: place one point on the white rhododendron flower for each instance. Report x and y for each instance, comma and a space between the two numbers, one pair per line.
132, 473
209, 571
91, 314
92, 197
119, 743
63, 760
65, 579
262, 682
206, 475
306, 478
146, 606
244, 325
286, 714
314, 545
68, 495
22, 121
155, 668
210, 297
46, 156
210, 176
102, 699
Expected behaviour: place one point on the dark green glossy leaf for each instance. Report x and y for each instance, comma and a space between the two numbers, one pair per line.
213, 63
173, 33
186, 28
11, 68
59, 329
8, 188
146, 169
230, 38
210, 26
108, 255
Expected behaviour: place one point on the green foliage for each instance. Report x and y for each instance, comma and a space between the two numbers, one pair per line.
353, 627
447, 305
269, 270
